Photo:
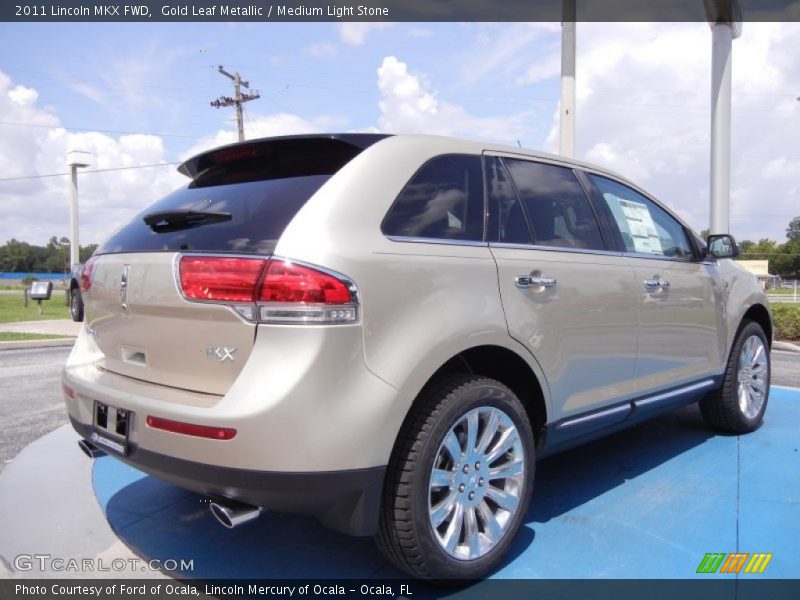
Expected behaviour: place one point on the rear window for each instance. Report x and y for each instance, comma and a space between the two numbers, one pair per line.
257, 187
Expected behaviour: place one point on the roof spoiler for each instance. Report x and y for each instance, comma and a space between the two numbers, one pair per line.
335, 143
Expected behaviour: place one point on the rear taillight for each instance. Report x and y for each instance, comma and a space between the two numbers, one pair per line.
221, 279
87, 274
270, 290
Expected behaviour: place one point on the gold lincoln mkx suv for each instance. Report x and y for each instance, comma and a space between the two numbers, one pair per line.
387, 332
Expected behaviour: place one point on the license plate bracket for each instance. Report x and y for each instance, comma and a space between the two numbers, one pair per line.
111, 427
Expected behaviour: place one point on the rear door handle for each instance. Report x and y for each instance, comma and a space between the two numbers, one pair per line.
530, 281
655, 284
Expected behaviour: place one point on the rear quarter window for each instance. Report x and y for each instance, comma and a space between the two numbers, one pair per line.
443, 200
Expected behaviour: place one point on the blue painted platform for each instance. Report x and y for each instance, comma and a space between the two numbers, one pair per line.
648, 502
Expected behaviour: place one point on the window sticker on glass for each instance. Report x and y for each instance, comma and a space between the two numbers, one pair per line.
640, 225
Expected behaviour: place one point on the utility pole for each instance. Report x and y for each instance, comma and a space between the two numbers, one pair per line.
75, 159
237, 100
566, 138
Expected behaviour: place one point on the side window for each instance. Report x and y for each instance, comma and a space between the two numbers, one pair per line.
509, 221
646, 228
443, 200
556, 205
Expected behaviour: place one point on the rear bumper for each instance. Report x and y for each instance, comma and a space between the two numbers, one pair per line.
347, 501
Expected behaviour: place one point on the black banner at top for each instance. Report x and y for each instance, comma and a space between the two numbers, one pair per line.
398, 10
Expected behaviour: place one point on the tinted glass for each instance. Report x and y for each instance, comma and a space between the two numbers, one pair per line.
646, 228
443, 200
247, 192
512, 227
557, 208
260, 211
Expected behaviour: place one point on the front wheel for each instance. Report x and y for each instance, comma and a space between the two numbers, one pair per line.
459, 481
739, 404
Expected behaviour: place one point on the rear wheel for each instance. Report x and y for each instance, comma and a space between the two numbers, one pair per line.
459, 482
76, 304
739, 404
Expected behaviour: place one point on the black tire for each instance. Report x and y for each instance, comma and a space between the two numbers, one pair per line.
721, 408
406, 535
76, 304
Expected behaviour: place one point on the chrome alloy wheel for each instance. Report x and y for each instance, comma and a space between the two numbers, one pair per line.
476, 481
752, 376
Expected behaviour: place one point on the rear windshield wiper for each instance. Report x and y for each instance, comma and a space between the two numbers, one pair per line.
175, 220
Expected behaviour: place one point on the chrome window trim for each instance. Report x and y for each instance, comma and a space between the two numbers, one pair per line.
442, 241
510, 246
660, 257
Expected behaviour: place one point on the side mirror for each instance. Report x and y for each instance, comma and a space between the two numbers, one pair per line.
722, 246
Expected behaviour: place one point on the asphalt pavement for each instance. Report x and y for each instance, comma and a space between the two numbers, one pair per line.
31, 401
786, 368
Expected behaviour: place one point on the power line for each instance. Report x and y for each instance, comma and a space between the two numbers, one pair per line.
299, 116
169, 164
175, 135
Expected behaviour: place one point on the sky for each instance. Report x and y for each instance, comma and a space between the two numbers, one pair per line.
137, 95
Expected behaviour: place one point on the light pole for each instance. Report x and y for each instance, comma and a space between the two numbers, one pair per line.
725, 17
75, 160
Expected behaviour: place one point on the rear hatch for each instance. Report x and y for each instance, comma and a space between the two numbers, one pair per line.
238, 203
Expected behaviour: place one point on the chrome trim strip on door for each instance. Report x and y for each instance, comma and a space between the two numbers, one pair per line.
667, 395
631, 404
598, 415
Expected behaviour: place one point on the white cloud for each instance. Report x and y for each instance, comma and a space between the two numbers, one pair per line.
504, 50
35, 209
542, 69
258, 126
354, 33
644, 111
92, 93
23, 95
408, 106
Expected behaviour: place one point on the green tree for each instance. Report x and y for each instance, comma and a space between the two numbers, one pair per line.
87, 251
21, 257
764, 250
793, 230
787, 262
16, 256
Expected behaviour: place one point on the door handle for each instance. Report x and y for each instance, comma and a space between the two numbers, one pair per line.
530, 281
655, 284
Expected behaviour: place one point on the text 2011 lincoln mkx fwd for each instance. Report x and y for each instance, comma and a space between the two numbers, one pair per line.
387, 332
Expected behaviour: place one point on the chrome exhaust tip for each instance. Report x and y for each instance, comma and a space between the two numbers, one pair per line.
232, 513
90, 450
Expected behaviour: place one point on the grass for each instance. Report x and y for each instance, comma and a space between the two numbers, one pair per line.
10, 336
12, 310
